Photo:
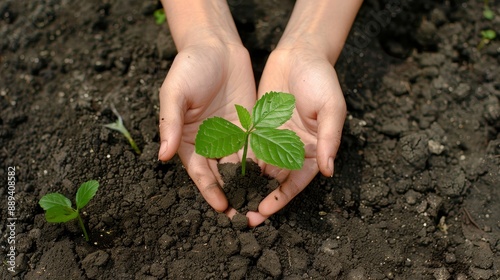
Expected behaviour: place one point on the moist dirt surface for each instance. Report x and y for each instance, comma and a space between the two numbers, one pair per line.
416, 191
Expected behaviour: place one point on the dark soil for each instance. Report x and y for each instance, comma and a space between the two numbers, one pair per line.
416, 194
244, 193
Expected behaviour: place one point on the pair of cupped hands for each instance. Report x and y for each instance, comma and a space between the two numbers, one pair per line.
207, 79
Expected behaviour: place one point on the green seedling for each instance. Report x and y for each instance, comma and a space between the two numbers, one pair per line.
218, 137
159, 16
487, 11
118, 126
58, 208
486, 37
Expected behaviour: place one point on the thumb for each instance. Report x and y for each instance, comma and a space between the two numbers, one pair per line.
171, 121
330, 123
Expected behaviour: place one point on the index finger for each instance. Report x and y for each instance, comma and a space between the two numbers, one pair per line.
288, 189
204, 173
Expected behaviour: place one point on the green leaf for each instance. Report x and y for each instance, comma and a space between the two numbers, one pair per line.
279, 147
489, 34
159, 16
244, 116
60, 214
54, 199
85, 193
120, 127
218, 137
273, 109
488, 13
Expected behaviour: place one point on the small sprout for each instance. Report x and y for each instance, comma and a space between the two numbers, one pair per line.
488, 34
58, 208
218, 137
486, 37
159, 16
487, 11
118, 126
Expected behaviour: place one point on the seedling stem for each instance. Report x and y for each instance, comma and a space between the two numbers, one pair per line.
118, 126
244, 157
80, 221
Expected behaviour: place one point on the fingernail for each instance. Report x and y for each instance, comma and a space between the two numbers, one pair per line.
163, 149
330, 165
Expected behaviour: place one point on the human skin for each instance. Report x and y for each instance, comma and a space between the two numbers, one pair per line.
302, 64
211, 72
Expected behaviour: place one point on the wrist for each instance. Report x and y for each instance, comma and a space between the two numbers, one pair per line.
321, 26
199, 21
306, 42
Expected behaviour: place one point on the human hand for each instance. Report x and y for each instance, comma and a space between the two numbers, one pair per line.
318, 120
213, 70
206, 79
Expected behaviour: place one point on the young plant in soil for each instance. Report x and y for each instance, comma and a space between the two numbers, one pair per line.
487, 11
58, 208
118, 126
160, 17
217, 137
486, 37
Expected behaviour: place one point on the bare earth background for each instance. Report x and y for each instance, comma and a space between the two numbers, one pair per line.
416, 194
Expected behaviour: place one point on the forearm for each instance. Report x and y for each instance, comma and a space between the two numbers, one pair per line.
193, 21
321, 24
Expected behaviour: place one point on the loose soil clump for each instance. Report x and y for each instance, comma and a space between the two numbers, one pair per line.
244, 193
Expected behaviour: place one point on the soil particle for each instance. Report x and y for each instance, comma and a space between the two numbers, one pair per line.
24, 243
166, 241
441, 273
447, 187
478, 273
356, 274
492, 110
157, 270
230, 245
239, 221
188, 224
289, 236
92, 263
435, 203
223, 221
482, 256
244, 193
249, 245
462, 91
22, 261
395, 127
327, 266
269, 263
427, 59
238, 267
426, 34
266, 235
422, 182
450, 258
395, 85
298, 261
59, 250
414, 149
374, 193
329, 246
412, 197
